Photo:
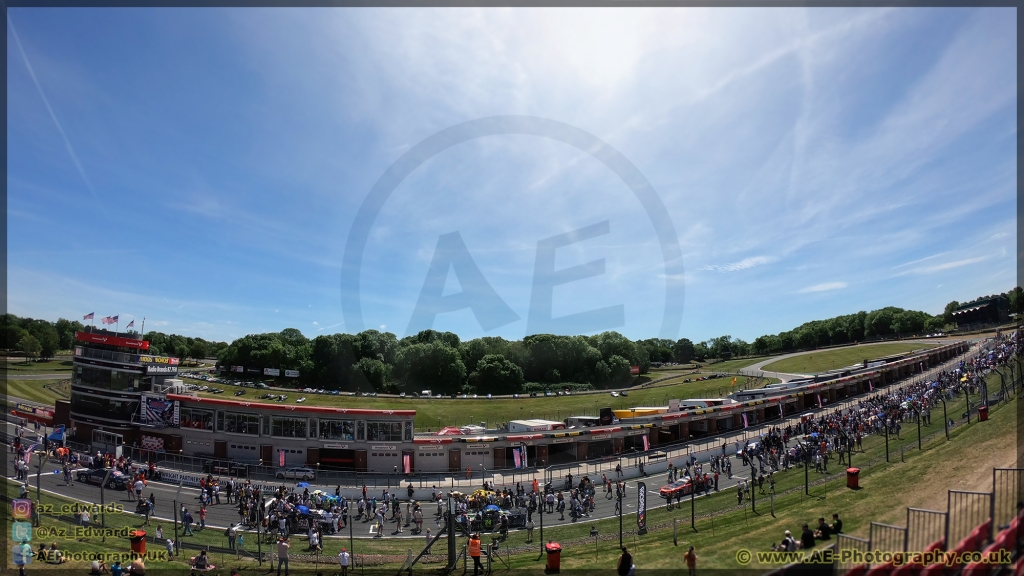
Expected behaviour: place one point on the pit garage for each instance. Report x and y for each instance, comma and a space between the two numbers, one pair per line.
562, 451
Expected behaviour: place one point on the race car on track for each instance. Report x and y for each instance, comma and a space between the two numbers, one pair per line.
678, 488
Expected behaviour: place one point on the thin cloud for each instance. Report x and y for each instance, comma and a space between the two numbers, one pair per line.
53, 116
956, 264
741, 265
823, 287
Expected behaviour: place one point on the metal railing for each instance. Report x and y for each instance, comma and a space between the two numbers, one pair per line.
1008, 491
924, 528
887, 538
967, 511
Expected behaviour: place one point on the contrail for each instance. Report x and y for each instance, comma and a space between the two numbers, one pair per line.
67, 143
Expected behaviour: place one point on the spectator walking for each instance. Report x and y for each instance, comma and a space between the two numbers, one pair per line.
626, 566
282, 555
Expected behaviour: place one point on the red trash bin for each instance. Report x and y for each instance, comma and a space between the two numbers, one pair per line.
554, 550
138, 540
853, 478
982, 413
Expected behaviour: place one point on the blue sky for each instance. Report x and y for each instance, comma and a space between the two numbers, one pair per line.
203, 168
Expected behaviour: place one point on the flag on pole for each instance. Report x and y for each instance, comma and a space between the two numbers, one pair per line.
733, 382
647, 443
517, 458
819, 401
130, 324
89, 316
745, 423
109, 320
870, 387
30, 448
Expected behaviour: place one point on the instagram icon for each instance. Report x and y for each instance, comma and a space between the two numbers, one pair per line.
22, 508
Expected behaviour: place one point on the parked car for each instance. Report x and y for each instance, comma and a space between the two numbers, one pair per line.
240, 392
296, 473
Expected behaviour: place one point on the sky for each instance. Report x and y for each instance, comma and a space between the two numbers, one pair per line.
500, 172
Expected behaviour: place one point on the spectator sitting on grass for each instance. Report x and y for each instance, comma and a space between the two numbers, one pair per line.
54, 555
823, 532
806, 538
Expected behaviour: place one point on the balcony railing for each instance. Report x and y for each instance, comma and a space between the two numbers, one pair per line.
83, 352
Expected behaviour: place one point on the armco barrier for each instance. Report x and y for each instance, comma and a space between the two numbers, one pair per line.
887, 538
924, 528
967, 510
1007, 490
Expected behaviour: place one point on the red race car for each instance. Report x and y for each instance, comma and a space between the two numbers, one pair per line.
680, 487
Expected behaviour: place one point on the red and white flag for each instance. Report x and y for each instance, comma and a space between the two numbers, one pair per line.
870, 387
647, 443
109, 320
89, 316
819, 401
745, 423
130, 324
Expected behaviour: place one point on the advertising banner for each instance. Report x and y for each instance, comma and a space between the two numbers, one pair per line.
158, 412
111, 340
146, 359
291, 373
634, 370
641, 507
158, 369
271, 371
238, 369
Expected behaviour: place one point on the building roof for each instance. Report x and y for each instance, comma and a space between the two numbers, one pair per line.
288, 408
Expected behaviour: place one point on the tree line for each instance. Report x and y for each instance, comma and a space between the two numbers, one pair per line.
42, 339
442, 363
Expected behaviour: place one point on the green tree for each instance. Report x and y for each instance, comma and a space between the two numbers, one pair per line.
618, 369
373, 373
30, 345
947, 312
46, 335
682, 350
498, 375
433, 365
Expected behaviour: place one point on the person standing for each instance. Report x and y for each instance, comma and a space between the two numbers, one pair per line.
474, 553
232, 534
343, 559
282, 555
691, 561
626, 566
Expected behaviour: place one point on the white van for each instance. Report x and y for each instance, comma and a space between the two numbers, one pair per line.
425, 393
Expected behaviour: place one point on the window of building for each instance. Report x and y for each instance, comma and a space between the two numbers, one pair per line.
111, 409
337, 429
285, 427
238, 423
384, 431
196, 418
361, 430
408, 431
106, 379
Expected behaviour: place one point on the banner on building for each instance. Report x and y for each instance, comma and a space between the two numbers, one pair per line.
517, 458
238, 369
641, 507
159, 412
647, 442
746, 424
407, 463
160, 369
280, 458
